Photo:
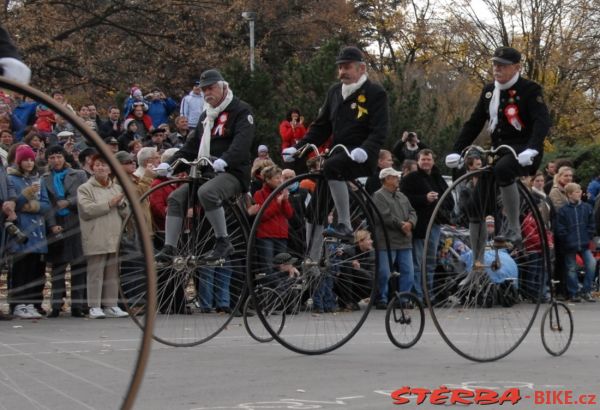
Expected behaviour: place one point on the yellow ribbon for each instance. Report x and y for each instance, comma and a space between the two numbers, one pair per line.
361, 111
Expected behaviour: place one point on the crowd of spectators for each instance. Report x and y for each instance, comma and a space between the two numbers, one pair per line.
57, 191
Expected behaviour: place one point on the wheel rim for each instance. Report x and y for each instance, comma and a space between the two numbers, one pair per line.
557, 329
465, 306
307, 330
405, 320
144, 347
181, 300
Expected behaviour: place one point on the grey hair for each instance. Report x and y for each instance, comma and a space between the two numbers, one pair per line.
144, 155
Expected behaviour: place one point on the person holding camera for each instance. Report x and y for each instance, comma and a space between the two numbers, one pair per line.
408, 147
28, 248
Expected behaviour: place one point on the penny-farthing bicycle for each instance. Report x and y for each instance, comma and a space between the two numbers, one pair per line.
51, 380
196, 299
483, 293
326, 304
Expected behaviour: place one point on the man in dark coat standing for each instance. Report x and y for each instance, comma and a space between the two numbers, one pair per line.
517, 116
225, 131
356, 114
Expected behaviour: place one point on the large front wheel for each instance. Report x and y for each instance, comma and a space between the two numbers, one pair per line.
328, 297
483, 295
196, 300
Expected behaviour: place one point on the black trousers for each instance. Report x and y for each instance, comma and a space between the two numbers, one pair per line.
78, 284
27, 279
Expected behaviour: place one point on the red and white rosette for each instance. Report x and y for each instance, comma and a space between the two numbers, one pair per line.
512, 115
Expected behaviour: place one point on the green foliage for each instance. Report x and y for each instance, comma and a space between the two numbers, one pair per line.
584, 158
257, 90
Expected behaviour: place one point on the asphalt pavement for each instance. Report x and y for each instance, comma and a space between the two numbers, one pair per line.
69, 363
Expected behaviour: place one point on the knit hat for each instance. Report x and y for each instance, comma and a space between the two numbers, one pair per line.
136, 92
263, 148
24, 152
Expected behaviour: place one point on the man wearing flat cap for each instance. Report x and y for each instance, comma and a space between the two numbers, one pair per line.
226, 132
516, 115
355, 113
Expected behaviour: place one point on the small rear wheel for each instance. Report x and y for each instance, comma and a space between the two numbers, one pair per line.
557, 328
405, 320
271, 307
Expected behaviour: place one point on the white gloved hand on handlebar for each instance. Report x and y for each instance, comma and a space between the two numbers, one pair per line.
359, 155
219, 165
526, 157
15, 70
453, 160
288, 154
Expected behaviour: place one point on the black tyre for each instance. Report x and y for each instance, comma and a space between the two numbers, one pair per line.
271, 306
483, 297
405, 320
557, 328
196, 300
329, 299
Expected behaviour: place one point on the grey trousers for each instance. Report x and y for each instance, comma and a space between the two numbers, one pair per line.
211, 194
102, 280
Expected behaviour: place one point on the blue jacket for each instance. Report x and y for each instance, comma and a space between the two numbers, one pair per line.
31, 210
160, 110
575, 226
192, 106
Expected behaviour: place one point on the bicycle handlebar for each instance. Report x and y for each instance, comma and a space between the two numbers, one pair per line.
194, 163
492, 151
302, 151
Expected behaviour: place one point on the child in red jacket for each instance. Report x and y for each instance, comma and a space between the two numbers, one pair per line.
272, 234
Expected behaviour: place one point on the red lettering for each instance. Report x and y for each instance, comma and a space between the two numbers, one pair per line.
538, 397
485, 396
460, 396
438, 396
556, 399
582, 399
421, 394
568, 397
511, 395
592, 399
397, 395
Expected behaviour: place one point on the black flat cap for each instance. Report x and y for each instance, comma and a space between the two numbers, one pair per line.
349, 54
284, 257
506, 56
210, 77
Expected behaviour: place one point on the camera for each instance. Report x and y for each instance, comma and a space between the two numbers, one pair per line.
15, 232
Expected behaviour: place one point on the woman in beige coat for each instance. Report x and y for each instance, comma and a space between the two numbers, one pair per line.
101, 205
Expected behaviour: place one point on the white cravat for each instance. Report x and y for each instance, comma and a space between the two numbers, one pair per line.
209, 122
495, 101
347, 90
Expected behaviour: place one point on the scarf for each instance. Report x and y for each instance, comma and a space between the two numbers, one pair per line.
349, 89
495, 101
209, 122
58, 180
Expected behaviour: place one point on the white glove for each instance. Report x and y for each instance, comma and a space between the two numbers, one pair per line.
288, 154
453, 160
359, 155
526, 157
14, 69
219, 165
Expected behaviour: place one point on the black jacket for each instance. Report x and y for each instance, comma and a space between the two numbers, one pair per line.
415, 186
528, 97
7, 48
233, 145
362, 120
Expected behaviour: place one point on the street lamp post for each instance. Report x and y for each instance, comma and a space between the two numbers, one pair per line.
250, 17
